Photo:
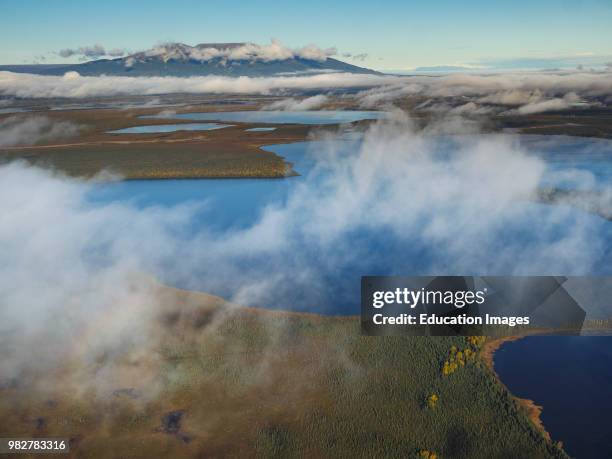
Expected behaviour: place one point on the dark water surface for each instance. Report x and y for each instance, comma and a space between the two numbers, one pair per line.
571, 377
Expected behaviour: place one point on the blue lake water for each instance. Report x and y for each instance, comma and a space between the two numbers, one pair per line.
170, 128
260, 129
231, 206
283, 117
570, 377
230, 203
583, 156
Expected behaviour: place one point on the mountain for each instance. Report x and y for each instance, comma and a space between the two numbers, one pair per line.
223, 59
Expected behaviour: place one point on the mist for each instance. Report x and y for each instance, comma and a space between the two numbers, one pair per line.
309, 103
30, 130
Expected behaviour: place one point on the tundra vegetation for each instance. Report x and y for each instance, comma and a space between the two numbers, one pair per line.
216, 380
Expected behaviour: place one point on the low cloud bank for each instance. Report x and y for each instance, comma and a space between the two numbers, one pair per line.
556, 104
30, 130
524, 93
73, 85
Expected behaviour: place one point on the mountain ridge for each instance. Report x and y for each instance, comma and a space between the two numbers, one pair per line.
206, 59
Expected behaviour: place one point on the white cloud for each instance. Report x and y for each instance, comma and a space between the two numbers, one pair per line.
466, 109
487, 93
30, 130
91, 52
74, 86
275, 51
166, 113
558, 103
523, 93
309, 103
536, 92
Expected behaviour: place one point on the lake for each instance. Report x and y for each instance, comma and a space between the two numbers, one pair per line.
325, 278
588, 159
282, 117
570, 377
170, 128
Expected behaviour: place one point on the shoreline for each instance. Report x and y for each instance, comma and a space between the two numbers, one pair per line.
531, 409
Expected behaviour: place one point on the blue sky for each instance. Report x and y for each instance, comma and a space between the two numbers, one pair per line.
398, 35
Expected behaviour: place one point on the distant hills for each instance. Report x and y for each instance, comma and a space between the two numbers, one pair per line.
222, 59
